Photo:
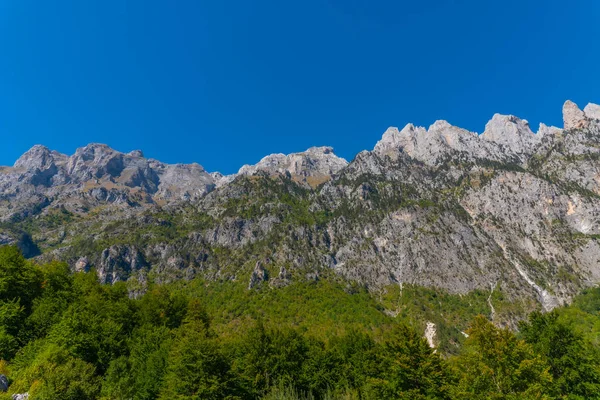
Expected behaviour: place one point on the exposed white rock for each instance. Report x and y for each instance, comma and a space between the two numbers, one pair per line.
39, 157
510, 131
183, 181
489, 301
82, 265
573, 117
430, 332
221, 179
441, 142
136, 153
259, 275
545, 130
406, 139
315, 165
592, 111
464, 144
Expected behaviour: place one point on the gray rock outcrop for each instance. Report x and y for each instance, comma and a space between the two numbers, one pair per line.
117, 263
573, 117
512, 132
95, 175
313, 166
592, 111
82, 265
259, 275
3, 383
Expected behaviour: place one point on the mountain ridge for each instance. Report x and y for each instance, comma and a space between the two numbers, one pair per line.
440, 207
572, 115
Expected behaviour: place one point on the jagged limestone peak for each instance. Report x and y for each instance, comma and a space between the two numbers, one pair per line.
38, 157
448, 131
220, 179
440, 125
545, 130
320, 150
317, 162
573, 117
592, 111
95, 149
136, 153
510, 131
437, 144
405, 139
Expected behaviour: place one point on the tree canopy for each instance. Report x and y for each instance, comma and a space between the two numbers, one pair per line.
66, 336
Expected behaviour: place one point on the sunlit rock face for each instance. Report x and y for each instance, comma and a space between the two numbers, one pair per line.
313, 166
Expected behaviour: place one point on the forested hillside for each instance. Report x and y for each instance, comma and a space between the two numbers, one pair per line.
66, 336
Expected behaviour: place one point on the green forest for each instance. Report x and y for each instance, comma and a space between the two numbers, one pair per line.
65, 336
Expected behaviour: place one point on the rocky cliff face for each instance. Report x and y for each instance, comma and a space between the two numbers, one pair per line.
313, 166
441, 207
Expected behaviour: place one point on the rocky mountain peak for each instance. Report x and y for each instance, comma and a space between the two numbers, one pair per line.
545, 130
573, 117
320, 150
510, 131
443, 141
94, 161
313, 166
136, 153
38, 157
394, 139
439, 125
221, 179
592, 111
95, 151
449, 132
388, 139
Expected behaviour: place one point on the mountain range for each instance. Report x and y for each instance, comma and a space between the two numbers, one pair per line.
508, 210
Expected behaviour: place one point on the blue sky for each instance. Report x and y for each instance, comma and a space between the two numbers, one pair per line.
224, 83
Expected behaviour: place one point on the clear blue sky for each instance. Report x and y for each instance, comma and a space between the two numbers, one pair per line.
224, 83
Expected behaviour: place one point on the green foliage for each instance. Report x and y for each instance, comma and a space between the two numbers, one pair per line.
54, 374
589, 301
65, 336
574, 363
320, 309
8, 344
357, 358
197, 367
495, 364
413, 371
19, 280
58, 292
95, 328
161, 307
451, 313
20, 283
271, 357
